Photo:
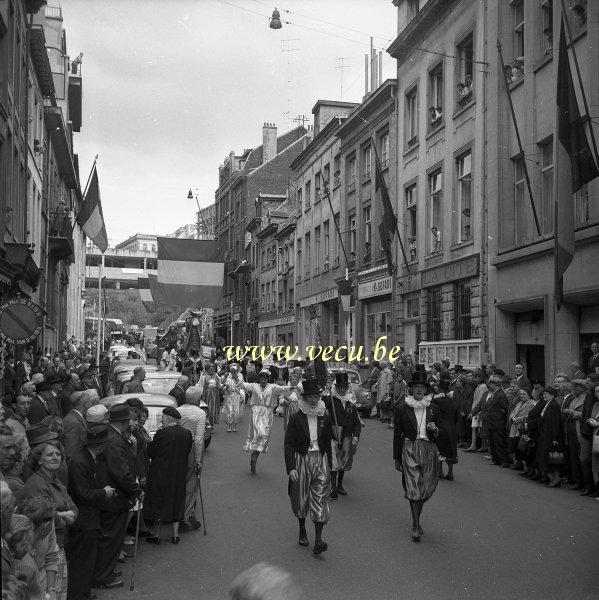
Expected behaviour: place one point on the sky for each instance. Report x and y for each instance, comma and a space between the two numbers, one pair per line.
170, 88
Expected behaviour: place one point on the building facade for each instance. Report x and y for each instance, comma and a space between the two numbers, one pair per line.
441, 144
205, 222
262, 171
524, 323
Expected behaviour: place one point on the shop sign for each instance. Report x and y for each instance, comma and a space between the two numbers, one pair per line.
21, 321
320, 297
377, 287
460, 269
276, 322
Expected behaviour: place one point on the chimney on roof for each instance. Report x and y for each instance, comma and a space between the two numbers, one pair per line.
269, 141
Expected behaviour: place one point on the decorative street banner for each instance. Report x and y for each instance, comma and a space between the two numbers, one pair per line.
145, 294
21, 321
191, 272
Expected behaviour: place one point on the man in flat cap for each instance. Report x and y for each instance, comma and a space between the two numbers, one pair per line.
82, 542
169, 450
116, 469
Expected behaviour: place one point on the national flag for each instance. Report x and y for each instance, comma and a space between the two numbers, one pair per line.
157, 291
91, 217
191, 272
574, 166
145, 294
388, 225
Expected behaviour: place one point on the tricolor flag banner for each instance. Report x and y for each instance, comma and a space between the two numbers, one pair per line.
157, 291
574, 166
91, 217
145, 294
191, 272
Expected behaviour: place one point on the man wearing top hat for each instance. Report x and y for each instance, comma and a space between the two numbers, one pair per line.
88, 494
116, 469
346, 428
308, 461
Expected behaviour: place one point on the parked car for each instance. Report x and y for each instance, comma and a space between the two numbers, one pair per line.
155, 403
156, 382
364, 399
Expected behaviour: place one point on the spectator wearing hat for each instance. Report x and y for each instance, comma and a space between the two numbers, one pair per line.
446, 412
47, 457
45, 403
82, 542
496, 419
264, 400
165, 499
115, 469
414, 450
550, 437
178, 391
96, 414
346, 429
308, 459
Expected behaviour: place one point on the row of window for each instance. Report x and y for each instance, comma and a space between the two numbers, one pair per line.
271, 300
321, 256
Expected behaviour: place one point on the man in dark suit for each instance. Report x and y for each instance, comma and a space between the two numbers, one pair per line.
307, 452
594, 359
178, 392
55, 373
496, 419
115, 469
74, 424
521, 379
23, 369
44, 404
87, 493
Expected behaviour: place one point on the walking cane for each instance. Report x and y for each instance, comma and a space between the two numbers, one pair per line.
202, 505
132, 584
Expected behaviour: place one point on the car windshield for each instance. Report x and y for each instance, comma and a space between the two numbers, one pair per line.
160, 386
154, 419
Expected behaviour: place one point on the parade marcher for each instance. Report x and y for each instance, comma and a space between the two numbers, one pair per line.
263, 402
446, 412
308, 462
178, 392
115, 469
210, 385
234, 397
169, 451
193, 418
496, 420
279, 373
346, 429
82, 541
196, 366
289, 403
414, 451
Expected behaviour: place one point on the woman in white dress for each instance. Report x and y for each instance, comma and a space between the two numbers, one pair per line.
263, 402
234, 397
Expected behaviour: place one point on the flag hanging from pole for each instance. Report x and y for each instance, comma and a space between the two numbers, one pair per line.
91, 217
145, 294
190, 272
388, 224
574, 166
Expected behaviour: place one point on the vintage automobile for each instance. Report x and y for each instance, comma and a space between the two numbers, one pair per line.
119, 367
155, 403
364, 399
156, 382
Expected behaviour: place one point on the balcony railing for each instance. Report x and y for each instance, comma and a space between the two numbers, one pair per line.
61, 235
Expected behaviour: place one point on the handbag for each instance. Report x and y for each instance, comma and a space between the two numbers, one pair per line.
524, 443
556, 458
596, 443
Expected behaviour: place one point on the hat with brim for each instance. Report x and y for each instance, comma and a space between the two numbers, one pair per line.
341, 379
96, 434
420, 377
171, 411
40, 433
310, 387
119, 412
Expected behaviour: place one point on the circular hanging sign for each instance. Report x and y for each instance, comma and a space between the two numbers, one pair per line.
21, 321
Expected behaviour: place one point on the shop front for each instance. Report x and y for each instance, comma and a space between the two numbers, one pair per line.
276, 332
374, 309
318, 318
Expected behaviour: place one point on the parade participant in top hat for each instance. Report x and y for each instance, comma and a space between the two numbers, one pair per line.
446, 411
279, 373
414, 450
263, 402
308, 461
346, 427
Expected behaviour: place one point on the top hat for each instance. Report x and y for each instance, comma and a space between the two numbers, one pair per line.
171, 411
119, 412
37, 434
97, 434
419, 376
310, 387
458, 368
342, 379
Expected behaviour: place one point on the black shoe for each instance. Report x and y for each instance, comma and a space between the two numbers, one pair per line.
175, 539
334, 495
415, 535
184, 526
449, 477
194, 523
153, 539
319, 547
117, 583
587, 493
341, 491
253, 466
303, 538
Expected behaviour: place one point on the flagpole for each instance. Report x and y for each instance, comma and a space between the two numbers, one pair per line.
511, 104
582, 92
99, 338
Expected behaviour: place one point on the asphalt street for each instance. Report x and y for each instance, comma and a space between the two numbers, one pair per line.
487, 535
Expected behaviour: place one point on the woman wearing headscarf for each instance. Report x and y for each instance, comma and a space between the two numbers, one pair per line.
414, 450
308, 463
234, 397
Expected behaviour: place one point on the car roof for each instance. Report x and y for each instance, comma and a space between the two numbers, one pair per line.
349, 369
146, 399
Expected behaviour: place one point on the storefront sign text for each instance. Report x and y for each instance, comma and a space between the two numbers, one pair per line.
377, 287
320, 297
460, 269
